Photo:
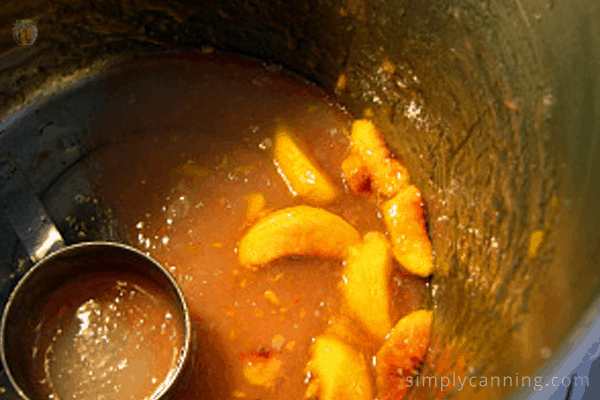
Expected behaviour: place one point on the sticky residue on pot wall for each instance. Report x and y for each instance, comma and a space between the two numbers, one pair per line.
472, 123
472, 106
476, 111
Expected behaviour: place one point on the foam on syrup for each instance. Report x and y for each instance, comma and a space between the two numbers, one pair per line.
110, 338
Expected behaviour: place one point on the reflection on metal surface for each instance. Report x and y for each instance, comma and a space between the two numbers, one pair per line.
47, 242
27, 216
51, 274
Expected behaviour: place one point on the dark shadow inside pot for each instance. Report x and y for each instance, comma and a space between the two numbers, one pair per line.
495, 124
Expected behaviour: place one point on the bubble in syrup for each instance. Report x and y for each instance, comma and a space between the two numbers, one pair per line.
267, 143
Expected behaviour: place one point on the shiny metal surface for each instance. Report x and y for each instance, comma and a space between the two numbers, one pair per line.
55, 265
28, 217
21, 313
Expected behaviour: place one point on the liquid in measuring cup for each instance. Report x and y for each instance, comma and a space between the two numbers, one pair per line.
106, 338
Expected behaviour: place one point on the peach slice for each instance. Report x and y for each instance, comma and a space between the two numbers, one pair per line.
358, 177
340, 372
261, 368
405, 220
451, 362
300, 230
400, 356
388, 175
344, 328
300, 172
256, 206
365, 288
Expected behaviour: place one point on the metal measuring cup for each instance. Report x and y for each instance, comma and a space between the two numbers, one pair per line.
56, 265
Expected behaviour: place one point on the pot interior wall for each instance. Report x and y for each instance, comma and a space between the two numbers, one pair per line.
491, 108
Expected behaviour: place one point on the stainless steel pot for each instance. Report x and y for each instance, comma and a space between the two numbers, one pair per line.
494, 105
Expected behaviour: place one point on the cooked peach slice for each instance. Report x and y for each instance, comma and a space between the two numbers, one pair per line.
400, 356
344, 328
300, 230
261, 368
405, 220
340, 372
388, 174
365, 288
450, 362
300, 172
256, 206
356, 174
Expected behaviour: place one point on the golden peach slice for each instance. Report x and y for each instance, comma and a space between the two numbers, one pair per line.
340, 372
300, 172
356, 174
388, 174
300, 230
365, 288
263, 372
405, 221
344, 328
400, 356
256, 206
450, 362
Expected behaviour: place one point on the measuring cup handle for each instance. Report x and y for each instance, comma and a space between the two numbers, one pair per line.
27, 215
